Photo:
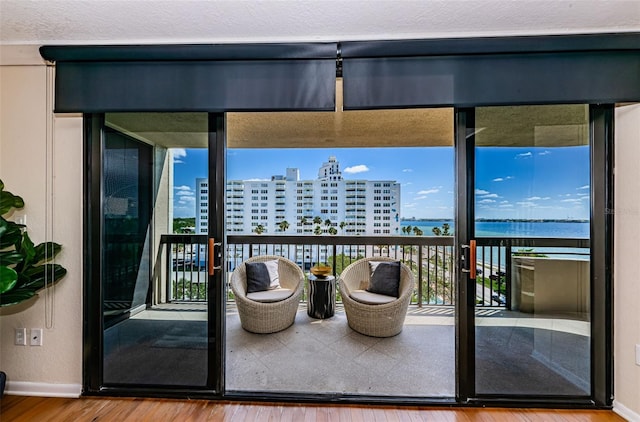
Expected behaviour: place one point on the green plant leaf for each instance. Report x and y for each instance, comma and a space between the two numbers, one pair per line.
10, 258
46, 251
8, 201
34, 277
1, 185
8, 279
27, 250
16, 296
10, 233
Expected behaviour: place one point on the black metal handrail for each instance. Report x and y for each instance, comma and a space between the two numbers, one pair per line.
432, 258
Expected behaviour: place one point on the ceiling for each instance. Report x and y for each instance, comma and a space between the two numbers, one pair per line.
231, 21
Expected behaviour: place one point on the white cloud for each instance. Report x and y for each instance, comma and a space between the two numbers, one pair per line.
526, 204
545, 152
178, 153
524, 155
584, 198
428, 191
505, 206
502, 179
583, 187
257, 180
573, 200
482, 192
410, 205
361, 168
504, 202
486, 201
537, 198
184, 191
418, 198
407, 170
490, 195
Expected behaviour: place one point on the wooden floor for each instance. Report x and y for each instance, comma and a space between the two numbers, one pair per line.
17, 408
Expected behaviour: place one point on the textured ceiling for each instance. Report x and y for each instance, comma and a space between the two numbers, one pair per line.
221, 21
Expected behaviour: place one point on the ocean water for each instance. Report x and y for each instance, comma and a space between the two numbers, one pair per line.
526, 229
558, 229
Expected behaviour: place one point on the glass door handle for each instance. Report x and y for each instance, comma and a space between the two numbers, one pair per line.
469, 259
212, 247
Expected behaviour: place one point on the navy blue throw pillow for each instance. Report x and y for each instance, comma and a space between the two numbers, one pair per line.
258, 279
385, 278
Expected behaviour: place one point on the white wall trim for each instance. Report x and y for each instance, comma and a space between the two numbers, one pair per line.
625, 412
42, 389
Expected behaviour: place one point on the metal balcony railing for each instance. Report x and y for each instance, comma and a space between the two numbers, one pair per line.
431, 258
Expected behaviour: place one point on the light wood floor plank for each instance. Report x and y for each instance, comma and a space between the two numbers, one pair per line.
18, 409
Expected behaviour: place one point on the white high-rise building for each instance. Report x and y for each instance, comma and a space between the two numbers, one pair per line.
352, 207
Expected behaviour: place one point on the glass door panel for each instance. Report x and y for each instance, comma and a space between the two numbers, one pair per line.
154, 279
532, 219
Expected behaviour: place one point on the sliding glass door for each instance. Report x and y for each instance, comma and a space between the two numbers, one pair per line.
153, 267
531, 274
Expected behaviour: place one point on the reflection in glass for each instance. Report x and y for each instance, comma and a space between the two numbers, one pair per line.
533, 197
153, 336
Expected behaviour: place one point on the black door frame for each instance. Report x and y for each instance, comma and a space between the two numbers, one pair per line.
601, 133
601, 142
93, 327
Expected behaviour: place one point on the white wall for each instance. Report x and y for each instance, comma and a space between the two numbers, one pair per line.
23, 164
627, 257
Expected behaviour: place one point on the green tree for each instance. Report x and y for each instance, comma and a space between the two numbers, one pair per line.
317, 220
259, 229
283, 225
342, 225
317, 230
333, 231
304, 221
341, 261
444, 231
417, 231
327, 223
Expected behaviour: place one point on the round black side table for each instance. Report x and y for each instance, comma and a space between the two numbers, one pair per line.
321, 301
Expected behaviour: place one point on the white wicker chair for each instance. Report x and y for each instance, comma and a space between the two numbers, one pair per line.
260, 317
383, 320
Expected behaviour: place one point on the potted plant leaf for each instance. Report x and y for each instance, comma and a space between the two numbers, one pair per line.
25, 268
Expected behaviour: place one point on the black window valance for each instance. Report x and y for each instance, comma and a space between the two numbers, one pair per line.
247, 77
491, 71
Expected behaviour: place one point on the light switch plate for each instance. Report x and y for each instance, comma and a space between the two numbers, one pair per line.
21, 337
36, 337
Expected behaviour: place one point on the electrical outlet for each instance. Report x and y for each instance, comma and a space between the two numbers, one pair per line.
21, 337
36, 336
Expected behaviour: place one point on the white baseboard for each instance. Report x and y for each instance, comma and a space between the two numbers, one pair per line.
625, 412
41, 389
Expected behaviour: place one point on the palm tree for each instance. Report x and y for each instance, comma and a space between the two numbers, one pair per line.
409, 228
327, 222
333, 231
259, 229
342, 225
317, 230
317, 220
283, 225
417, 231
445, 229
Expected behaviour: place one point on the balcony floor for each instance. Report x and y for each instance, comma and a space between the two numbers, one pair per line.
327, 357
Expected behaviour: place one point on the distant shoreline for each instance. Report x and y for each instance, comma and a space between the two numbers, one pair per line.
498, 220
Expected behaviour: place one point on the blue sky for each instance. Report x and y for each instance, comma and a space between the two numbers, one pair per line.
523, 182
